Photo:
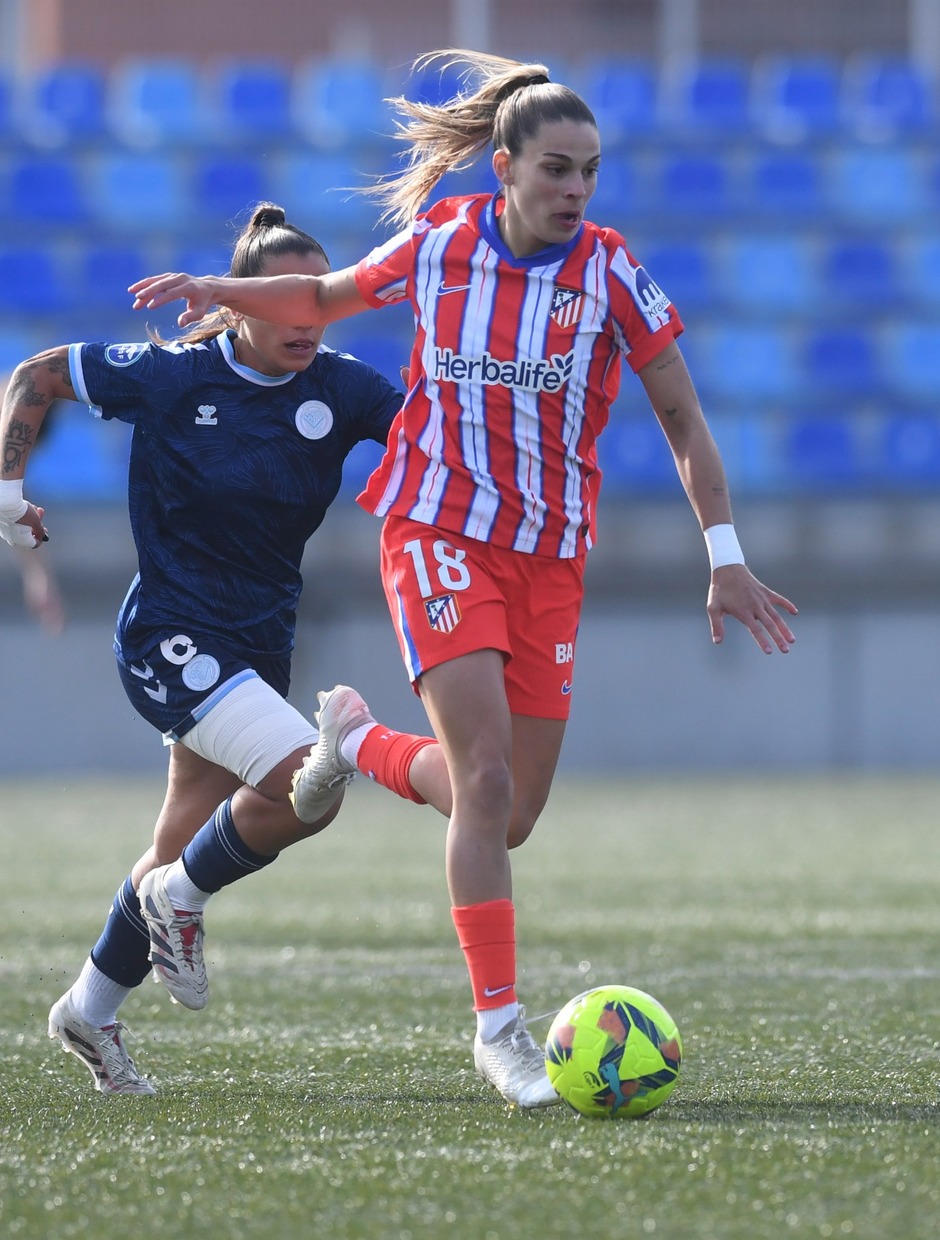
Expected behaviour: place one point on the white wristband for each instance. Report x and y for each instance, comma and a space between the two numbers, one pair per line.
723, 546
12, 504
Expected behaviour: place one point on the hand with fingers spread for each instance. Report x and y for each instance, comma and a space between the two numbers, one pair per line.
736, 592
199, 292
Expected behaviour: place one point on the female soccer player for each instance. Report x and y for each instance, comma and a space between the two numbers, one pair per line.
525, 312
241, 429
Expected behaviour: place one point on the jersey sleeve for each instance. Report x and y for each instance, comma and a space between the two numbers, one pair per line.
116, 380
382, 276
646, 320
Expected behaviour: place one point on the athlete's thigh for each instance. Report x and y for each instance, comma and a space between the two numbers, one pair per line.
465, 701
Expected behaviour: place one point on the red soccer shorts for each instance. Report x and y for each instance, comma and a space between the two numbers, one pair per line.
449, 596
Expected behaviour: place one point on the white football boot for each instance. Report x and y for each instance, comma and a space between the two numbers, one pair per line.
514, 1064
325, 772
176, 943
102, 1051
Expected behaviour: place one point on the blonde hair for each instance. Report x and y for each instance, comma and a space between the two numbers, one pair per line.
509, 105
266, 235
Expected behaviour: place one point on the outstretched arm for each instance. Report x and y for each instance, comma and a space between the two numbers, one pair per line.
308, 301
34, 385
734, 591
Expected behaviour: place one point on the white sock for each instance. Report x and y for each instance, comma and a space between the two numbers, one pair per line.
492, 1021
352, 742
96, 997
184, 895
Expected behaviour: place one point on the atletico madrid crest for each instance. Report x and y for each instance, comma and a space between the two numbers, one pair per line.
567, 304
443, 613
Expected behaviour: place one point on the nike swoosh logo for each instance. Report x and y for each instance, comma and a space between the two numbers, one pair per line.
498, 991
566, 688
443, 288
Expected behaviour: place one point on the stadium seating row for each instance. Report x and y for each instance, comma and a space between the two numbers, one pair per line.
854, 449
137, 191
331, 102
766, 276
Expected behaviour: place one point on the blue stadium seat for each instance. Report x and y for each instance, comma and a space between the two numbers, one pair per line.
922, 269
683, 270
9, 131
137, 191
31, 281
17, 344
48, 189
634, 456
252, 100
206, 259
436, 83
382, 348
340, 102
913, 359
623, 94
695, 184
65, 103
81, 458
746, 363
798, 96
877, 185
787, 185
710, 96
157, 100
889, 97
618, 199
226, 186
841, 362
769, 274
910, 447
105, 271
823, 451
860, 273
316, 190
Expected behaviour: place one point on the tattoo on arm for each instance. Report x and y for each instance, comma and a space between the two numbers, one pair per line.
16, 445
59, 365
23, 391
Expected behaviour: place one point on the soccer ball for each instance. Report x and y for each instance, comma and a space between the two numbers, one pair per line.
613, 1051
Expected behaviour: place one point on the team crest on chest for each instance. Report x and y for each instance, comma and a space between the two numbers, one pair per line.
443, 613
567, 304
314, 419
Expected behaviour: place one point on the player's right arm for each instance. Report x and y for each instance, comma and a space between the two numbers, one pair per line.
296, 300
33, 386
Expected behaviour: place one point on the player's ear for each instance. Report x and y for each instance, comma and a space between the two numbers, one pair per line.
502, 165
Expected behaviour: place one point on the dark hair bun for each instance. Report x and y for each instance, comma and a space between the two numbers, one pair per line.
267, 215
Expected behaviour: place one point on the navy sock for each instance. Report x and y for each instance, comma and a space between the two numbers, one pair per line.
217, 855
122, 951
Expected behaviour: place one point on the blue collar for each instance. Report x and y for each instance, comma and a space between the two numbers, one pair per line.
541, 258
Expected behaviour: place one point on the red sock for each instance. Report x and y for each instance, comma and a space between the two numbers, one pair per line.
386, 756
487, 936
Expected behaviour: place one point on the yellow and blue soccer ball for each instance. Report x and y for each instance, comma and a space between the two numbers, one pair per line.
613, 1051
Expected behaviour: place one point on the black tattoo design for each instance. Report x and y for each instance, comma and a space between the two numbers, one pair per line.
16, 445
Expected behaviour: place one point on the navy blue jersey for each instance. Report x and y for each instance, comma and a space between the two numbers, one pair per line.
230, 473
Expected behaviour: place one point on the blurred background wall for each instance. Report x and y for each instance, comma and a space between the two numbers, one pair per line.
777, 169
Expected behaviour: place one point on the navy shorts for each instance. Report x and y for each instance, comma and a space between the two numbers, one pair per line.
180, 678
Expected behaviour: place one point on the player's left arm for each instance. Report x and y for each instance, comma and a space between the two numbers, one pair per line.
734, 590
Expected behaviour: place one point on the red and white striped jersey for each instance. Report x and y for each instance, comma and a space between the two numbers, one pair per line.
515, 364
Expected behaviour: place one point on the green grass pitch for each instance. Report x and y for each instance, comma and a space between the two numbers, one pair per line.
791, 926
